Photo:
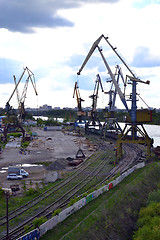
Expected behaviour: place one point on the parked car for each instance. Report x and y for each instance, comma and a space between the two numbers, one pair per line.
13, 176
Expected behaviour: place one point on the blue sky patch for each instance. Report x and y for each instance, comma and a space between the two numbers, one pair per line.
8, 68
144, 3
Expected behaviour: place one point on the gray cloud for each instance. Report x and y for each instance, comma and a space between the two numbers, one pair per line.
143, 58
23, 16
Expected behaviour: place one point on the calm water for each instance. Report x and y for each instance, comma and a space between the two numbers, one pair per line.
46, 118
153, 132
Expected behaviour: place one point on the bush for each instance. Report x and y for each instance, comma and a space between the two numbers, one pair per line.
27, 228
73, 200
14, 134
39, 221
1, 192
25, 144
57, 211
30, 192
154, 197
149, 223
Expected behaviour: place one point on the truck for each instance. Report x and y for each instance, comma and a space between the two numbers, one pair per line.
18, 171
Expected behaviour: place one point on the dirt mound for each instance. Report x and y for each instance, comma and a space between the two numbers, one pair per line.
59, 164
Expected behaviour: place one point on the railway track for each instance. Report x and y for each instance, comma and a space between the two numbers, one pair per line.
76, 184
132, 154
46, 194
62, 191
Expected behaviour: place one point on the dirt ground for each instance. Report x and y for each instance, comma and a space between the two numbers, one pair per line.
48, 146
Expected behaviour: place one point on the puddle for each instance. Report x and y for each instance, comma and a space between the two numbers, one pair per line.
29, 165
3, 170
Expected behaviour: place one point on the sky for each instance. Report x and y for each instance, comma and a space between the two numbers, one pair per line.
52, 38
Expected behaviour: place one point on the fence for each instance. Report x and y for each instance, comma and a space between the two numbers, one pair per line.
82, 202
33, 235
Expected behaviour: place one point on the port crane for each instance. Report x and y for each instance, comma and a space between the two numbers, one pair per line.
14, 120
21, 100
93, 120
137, 118
80, 113
111, 127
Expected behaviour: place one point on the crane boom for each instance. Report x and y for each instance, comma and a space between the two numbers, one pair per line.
121, 95
30, 73
100, 82
95, 44
114, 49
16, 86
16, 89
33, 83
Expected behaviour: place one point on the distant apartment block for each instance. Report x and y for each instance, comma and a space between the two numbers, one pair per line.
45, 107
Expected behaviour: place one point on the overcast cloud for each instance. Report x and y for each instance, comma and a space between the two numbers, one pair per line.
143, 58
64, 31
23, 16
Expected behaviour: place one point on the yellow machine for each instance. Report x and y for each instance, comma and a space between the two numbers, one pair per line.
142, 116
80, 112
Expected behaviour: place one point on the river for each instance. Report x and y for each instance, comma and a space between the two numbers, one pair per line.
46, 118
153, 132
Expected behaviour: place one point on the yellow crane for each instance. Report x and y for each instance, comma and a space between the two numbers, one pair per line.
80, 112
93, 120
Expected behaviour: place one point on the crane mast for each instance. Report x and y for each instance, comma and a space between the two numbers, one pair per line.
93, 120
94, 97
111, 127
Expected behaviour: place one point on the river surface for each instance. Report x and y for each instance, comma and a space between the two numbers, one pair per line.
46, 118
153, 132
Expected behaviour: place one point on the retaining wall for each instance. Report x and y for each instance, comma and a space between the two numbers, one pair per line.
82, 202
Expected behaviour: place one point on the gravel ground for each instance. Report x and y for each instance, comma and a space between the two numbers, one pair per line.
48, 146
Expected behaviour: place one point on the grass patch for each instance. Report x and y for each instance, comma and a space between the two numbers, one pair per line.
113, 213
25, 144
15, 202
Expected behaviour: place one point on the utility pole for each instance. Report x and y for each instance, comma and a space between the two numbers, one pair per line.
7, 196
8, 193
